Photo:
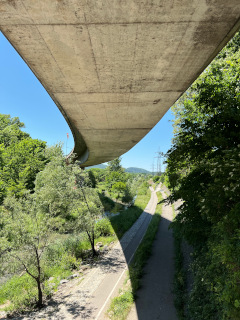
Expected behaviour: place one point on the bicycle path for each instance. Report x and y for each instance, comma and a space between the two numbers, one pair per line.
155, 300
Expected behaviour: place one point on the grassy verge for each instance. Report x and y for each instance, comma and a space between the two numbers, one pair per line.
121, 305
179, 283
126, 219
174, 212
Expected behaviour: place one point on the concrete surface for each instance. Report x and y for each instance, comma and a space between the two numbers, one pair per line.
115, 67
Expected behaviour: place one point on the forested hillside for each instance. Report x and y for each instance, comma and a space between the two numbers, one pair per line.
52, 214
203, 169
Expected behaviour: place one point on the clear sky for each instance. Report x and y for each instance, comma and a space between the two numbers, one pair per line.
22, 95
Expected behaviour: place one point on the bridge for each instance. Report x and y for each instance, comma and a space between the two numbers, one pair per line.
114, 67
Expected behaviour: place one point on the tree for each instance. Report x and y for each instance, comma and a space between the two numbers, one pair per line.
24, 238
115, 165
203, 171
120, 188
55, 188
21, 163
21, 158
63, 193
10, 130
118, 181
86, 213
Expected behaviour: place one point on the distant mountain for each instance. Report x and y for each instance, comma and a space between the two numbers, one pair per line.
130, 170
137, 170
98, 166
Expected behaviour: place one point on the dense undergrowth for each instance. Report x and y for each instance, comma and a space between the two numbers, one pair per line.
179, 283
203, 171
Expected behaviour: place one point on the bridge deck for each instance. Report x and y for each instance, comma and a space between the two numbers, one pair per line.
115, 67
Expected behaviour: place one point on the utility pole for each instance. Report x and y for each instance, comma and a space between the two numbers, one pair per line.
66, 143
153, 167
159, 161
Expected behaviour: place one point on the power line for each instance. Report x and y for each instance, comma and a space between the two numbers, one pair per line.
159, 157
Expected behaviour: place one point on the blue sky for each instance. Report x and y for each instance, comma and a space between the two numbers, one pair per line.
22, 95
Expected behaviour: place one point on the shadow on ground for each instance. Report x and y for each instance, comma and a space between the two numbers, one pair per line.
154, 298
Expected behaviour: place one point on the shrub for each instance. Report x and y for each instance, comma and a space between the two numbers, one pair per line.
104, 228
107, 203
143, 189
117, 208
21, 291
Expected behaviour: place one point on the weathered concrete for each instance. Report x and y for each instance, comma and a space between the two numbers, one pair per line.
115, 67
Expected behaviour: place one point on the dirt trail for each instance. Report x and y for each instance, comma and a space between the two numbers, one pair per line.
87, 297
155, 298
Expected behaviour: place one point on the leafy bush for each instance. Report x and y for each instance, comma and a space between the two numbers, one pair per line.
21, 291
143, 189
117, 208
107, 202
203, 171
104, 228
156, 178
72, 245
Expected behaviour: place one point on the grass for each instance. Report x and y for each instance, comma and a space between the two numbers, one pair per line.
120, 305
179, 283
126, 218
174, 212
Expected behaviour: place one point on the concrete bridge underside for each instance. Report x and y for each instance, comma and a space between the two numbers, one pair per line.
114, 67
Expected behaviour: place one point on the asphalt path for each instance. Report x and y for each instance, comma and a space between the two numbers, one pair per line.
155, 300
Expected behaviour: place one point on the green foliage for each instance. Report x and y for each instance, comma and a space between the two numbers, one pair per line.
143, 189
156, 178
10, 130
55, 187
49, 213
21, 158
203, 171
21, 291
98, 174
118, 182
104, 227
22, 161
115, 166
120, 306
108, 203
179, 284
125, 220
119, 188
26, 232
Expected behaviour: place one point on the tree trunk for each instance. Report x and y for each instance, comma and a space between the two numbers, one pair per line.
94, 252
40, 295
38, 279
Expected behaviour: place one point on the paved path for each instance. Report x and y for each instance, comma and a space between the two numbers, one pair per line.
88, 297
155, 298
